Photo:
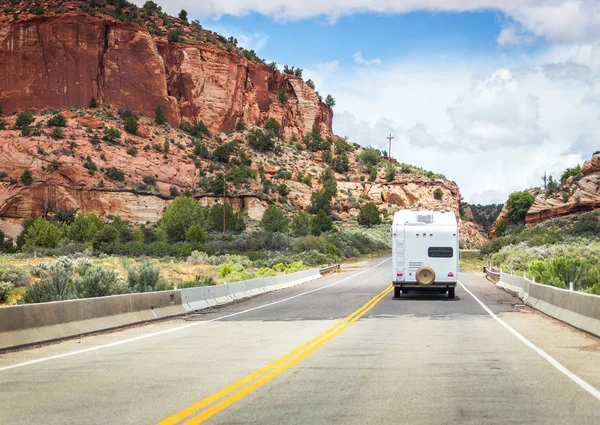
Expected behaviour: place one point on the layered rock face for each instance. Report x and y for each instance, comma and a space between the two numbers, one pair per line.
581, 195
64, 60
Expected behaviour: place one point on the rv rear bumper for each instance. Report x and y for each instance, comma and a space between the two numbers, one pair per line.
433, 286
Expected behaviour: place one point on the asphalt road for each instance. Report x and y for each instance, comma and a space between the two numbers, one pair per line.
337, 350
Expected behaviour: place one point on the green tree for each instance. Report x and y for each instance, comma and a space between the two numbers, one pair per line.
111, 135
275, 220
574, 172
159, 115
183, 15
57, 120
500, 228
310, 83
320, 201
301, 224
369, 215
84, 228
196, 234
24, 119
261, 140
131, 125
273, 126
340, 163
174, 36
390, 172
42, 233
330, 101
438, 194
104, 238
234, 221
321, 223
93, 103
143, 279
26, 176
517, 206
369, 156
282, 96
178, 217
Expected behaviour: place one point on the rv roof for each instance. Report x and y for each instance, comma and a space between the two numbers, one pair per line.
437, 218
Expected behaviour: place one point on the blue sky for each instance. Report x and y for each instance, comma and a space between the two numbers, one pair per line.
490, 93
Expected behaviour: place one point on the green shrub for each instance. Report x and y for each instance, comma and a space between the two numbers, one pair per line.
178, 217
500, 228
340, 164
321, 223
94, 281
273, 126
132, 151
131, 125
369, 215
320, 201
199, 130
143, 279
57, 133
149, 180
159, 115
282, 96
234, 221
115, 174
104, 238
275, 220
57, 120
24, 119
26, 176
111, 135
42, 233
330, 101
5, 290
93, 103
196, 234
260, 140
587, 225
438, 194
85, 227
301, 224
197, 282
55, 282
174, 36
570, 172
225, 270
390, 172
517, 206
370, 156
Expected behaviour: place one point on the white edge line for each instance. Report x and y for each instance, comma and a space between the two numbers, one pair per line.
178, 328
583, 384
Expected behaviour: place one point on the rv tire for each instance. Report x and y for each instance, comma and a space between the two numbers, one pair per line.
451, 292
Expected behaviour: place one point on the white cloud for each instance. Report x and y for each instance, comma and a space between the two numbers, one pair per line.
254, 41
358, 59
328, 67
492, 128
557, 20
512, 35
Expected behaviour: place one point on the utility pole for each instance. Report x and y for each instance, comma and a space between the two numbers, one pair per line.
390, 138
224, 209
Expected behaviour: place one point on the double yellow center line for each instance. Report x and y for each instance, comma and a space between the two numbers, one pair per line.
245, 386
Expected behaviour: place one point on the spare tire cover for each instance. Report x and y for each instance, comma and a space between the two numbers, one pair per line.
425, 276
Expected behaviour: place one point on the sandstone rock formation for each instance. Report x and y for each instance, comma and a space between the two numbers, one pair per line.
58, 61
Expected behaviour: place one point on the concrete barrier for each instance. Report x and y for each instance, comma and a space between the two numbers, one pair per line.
31, 324
575, 308
196, 299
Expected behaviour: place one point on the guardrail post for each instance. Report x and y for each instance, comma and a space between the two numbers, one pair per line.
533, 279
571, 286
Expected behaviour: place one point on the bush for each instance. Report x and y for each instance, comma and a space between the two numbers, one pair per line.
159, 115
197, 257
183, 15
174, 36
5, 290
132, 151
57, 120
330, 101
143, 279
587, 225
199, 130
275, 220
27, 177
24, 119
320, 201
301, 224
369, 156
500, 228
42, 233
94, 281
131, 125
84, 228
225, 270
282, 96
234, 221
57, 133
273, 126
570, 172
321, 223
438, 194
93, 102
115, 174
178, 217
517, 206
104, 238
390, 173
196, 234
369, 215
260, 140
55, 284
149, 180
111, 135
340, 164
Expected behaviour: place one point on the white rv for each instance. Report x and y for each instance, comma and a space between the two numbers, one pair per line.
425, 251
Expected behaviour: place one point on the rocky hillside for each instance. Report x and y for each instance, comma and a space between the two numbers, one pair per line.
56, 54
228, 117
577, 193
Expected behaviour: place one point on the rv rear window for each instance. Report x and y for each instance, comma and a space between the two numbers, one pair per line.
441, 252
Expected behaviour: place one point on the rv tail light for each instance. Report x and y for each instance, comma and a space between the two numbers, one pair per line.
450, 274
424, 234
399, 275
431, 234
454, 234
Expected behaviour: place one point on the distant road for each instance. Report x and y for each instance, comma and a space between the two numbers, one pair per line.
338, 350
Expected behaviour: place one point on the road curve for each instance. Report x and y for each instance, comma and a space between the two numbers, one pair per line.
337, 350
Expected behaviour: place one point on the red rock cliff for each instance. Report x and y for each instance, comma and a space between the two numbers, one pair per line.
62, 60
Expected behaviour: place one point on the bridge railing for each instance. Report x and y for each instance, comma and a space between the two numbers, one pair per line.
491, 274
335, 268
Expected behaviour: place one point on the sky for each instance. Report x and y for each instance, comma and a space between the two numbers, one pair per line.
490, 93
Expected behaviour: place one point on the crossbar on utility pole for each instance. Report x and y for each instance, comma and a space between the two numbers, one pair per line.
390, 138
